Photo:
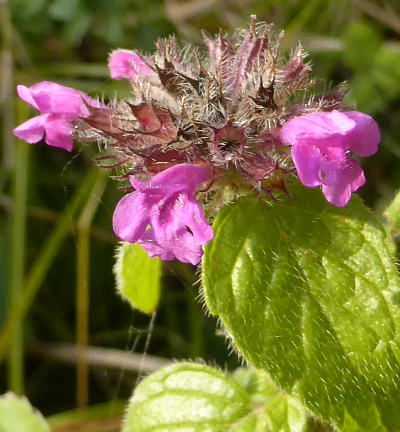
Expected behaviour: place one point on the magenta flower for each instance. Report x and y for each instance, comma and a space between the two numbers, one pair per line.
164, 216
322, 147
59, 106
128, 64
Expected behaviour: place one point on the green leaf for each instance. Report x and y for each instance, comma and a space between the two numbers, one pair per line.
310, 292
186, 397
191, 397
138, 277
17, 415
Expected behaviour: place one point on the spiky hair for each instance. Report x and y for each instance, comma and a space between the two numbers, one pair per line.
221, 106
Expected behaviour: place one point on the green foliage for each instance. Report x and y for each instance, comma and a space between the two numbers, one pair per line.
194, 397
76, 420
361, 45
64, 10
274, 410
387, 73
4, 278
66, 24
138, 277
310, 293
17, 415
68, 41
393, 213
376, 68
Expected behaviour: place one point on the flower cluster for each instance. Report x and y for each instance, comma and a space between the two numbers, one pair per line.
203, 125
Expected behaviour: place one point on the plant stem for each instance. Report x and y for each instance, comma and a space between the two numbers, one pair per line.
47, 215
43, 263
18, 231
6, 91
82, 294
109, 358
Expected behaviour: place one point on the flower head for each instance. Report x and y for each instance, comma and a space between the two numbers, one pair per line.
128, 64
322, 144
164, 216
217, 105
59, 106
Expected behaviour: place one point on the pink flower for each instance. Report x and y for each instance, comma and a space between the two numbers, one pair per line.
59, 106
322, 147
164, 216
128, 64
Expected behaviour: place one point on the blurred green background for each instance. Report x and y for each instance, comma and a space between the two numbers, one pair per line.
44, 267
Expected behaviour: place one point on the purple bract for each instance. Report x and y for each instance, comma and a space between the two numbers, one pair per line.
164, 216
59, 106
322, 145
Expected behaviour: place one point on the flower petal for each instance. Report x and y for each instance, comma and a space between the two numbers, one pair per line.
127, 64
53, 98
187, 175
192, 216
316, 126
182, 247
185, 247
58, 133
150, 245
340, 182
25, 94
130, 217
307, 160
181, 210
364, 138
31, 131
180, 226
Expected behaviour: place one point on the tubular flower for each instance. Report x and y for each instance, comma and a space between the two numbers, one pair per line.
59, 106
127, 64
321, 147
163, 215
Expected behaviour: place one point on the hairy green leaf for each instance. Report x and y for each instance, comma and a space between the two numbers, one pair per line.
138, 277
17, 415
191, 397
310, 292
186, 397
272, 410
